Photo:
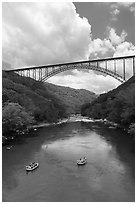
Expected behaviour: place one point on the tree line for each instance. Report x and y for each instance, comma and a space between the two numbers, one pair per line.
117, 105
26, 102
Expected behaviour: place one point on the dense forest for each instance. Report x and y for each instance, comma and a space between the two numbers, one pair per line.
72, 98
117, 105
26, 101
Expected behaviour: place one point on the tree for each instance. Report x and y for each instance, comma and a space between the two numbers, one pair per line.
14, 117
128, 99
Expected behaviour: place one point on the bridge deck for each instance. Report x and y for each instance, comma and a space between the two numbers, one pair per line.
72, 63
42, 73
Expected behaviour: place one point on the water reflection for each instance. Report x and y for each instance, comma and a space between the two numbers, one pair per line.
122, 143
108, 175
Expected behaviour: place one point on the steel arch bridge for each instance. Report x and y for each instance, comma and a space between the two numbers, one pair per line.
115, 67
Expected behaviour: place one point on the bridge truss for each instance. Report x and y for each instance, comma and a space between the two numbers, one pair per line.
115, 67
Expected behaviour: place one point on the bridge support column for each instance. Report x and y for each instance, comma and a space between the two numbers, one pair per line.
124, 69
46, 71
33, 73
39, 74
27, 73
53, 69
106, 65
133, 66
115, 66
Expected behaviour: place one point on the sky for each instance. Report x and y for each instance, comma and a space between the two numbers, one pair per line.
35, 34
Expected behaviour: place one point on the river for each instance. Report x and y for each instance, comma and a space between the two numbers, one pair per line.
108, 176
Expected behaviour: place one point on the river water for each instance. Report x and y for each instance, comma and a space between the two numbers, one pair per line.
108, 175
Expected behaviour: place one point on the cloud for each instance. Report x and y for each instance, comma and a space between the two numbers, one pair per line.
116, 7
86, 80
114, 14
113, 42
49, 33
125, 4
44, 33
132, 9
129, 5
114, 38
126, 49
100, 48
116, 46
108, 44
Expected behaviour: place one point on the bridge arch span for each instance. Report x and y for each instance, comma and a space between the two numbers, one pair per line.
90, 67
42, 73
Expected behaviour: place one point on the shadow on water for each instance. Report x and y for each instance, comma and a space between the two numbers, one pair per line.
121, 141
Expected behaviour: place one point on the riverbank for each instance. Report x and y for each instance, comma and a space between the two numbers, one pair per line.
12, 136
110, 159
130, 130
72, 118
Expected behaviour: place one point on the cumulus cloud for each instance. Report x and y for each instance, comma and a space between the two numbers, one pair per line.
115, 45
114, 38
49, 33
126, 49
99, 46
44, 33
111, 44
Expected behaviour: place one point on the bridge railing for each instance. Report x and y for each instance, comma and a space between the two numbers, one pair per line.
118, 67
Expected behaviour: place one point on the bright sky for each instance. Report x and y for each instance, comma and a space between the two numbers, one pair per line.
49, 33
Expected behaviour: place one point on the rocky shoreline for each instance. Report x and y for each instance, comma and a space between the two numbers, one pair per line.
34, 127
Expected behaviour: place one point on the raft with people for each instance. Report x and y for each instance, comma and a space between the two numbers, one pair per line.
82, 161
32, 166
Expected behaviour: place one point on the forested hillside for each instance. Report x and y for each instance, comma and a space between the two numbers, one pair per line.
26, 101
117, 105
72, 98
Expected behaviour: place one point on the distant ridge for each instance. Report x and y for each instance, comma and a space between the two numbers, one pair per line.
72, 98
